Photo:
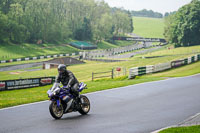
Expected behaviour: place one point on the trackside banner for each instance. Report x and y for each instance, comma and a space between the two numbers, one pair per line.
25, 83
177, 63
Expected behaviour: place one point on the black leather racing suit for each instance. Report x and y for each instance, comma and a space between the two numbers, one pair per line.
68, 79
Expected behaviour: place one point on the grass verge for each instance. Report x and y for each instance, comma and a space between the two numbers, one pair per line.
190, 129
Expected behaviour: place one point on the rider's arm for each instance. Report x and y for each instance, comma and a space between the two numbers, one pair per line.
58, 79
57, 83
71, 79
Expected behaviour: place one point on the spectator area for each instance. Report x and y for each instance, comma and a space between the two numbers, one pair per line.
83, 45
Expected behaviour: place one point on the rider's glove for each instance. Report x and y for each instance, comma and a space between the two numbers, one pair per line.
68, 86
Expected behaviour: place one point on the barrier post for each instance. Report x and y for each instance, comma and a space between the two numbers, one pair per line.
92, 76
112, 73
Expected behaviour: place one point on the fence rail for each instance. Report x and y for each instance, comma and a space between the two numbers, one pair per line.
115, 72
103, 76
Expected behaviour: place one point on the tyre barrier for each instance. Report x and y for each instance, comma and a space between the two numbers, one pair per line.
138, 71
38, 57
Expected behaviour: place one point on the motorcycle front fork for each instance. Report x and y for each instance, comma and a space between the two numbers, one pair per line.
58, 102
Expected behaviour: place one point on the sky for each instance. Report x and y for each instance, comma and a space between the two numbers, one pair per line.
161, 6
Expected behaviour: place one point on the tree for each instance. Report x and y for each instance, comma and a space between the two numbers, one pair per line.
166, 14
183, 28
5, 5
17, 31
55, 21
3, 28
147, 13
122, 22
85, 32
105, 26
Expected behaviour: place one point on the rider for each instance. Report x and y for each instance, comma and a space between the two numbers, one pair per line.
68, 80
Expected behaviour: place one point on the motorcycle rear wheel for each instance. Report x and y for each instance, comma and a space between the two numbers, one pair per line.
84, 105
55, 111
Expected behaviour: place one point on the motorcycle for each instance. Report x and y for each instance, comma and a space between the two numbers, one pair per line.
62, 101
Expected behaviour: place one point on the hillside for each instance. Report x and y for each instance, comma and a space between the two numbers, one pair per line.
14, 51
145, 27
148, 27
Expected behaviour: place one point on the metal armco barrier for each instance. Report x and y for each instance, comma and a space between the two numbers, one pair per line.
25, 83
138, 71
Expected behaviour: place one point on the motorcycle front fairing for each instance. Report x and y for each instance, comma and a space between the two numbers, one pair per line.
56, 93
50, 93
62, 101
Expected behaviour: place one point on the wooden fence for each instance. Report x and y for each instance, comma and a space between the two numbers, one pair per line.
115, 72
103, 75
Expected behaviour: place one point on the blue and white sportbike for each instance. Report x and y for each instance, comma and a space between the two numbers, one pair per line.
62, 101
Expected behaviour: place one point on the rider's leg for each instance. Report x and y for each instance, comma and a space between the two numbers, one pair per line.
74, 90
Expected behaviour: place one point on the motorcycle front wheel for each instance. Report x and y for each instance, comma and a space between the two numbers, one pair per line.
55, 111
84, 105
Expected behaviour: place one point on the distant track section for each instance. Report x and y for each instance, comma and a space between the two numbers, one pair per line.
139, 39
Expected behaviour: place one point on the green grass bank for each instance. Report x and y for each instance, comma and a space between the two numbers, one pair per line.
148, 27
190, 129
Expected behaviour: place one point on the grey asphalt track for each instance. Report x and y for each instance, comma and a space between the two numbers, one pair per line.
20, 66
140, 108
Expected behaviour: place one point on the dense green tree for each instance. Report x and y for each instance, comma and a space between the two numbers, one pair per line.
3, 28
147, 13
85, 32
166, 14
183, 28
58, 20
5, 5
130, 21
